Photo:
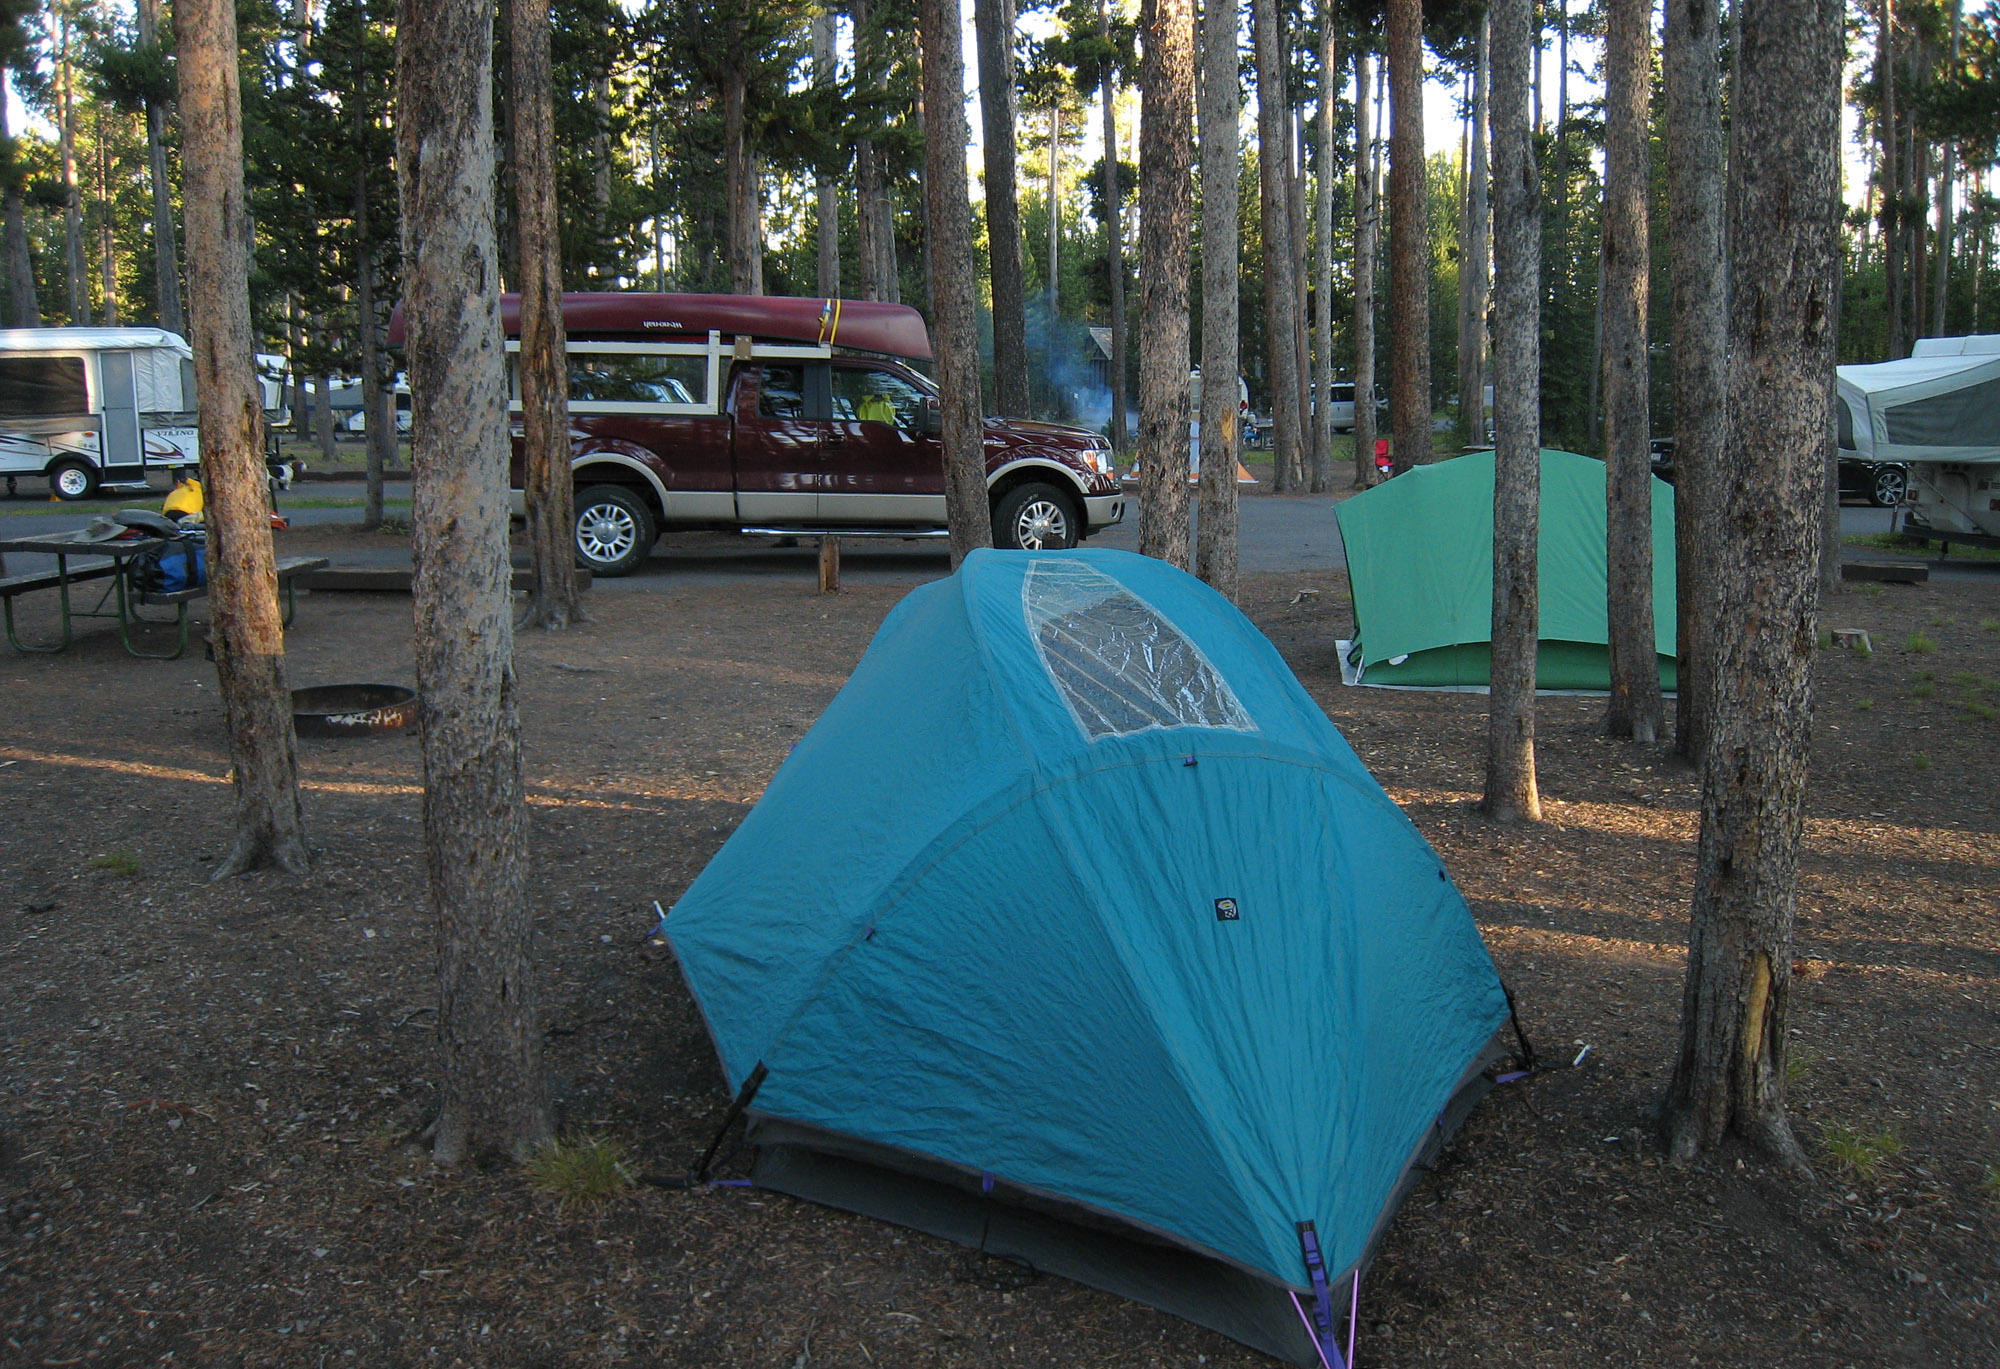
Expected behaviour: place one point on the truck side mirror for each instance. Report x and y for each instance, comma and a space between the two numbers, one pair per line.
930, 421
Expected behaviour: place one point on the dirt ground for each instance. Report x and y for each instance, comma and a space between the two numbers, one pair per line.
205, 1090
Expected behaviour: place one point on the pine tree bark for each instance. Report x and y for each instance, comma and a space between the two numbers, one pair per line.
994, 23
1892, 184
1409, 240
1691, 61
1472, 282
243, 591
1784, 224
1511, 791
874, 220
24, 306
1634, 707
948, 231
1166, 208
75, 267
826, 194
377, 400
1221, 166
1114, 238
554, 601
1054, 302
495, 1095
166, 252
1281, 303
1322, 386
736, 175
1367, 217
1301, 287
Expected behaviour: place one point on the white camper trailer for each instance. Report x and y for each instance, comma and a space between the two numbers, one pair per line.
1938, 410
91, 406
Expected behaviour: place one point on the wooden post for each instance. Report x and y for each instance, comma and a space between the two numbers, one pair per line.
829, 565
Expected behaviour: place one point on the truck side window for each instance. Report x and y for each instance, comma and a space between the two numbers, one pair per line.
875, 397
782, 392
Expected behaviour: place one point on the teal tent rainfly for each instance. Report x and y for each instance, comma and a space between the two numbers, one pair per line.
1074, 932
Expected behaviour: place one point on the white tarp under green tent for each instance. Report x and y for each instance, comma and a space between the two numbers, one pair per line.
1420, 562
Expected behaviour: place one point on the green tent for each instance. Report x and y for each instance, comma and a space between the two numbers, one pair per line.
1420, 561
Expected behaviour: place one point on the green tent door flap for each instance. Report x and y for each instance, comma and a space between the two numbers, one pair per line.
1420, 563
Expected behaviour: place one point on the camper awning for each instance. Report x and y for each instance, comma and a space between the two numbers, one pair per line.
1941, 403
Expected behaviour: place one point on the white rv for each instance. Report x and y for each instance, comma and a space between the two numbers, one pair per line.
1939, 411
91, 406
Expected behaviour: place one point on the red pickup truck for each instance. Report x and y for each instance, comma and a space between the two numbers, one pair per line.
788, 417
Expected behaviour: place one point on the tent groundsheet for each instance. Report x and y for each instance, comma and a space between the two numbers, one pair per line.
1420, 565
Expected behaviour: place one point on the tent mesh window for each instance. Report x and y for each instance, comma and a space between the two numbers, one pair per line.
1118, 664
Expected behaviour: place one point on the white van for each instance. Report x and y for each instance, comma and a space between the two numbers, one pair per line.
92, 406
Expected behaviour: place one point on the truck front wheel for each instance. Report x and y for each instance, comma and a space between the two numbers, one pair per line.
615, 530
1036, 518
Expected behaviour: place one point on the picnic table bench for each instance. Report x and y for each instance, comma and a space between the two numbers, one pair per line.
113, 561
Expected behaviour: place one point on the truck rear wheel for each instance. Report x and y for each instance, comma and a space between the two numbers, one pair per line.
615, 530
1036, 518
72, 480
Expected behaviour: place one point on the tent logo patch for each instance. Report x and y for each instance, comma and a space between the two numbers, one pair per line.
1225, 910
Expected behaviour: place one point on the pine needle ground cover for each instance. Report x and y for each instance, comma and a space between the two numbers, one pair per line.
207, 1093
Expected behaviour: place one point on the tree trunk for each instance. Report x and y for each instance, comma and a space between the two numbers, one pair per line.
1114, 239
1281, 303
1366, 218
1511, 790
323, 417
1634, 706
495, 1095
553, 601
74, 265
874, 219
1690, 57
1892, 185
826, 194
736, 176
1322, 386
994, 21
243, 590
948, 231
377, 399
107, 243
1221, 154
24, 306
1472, 284
1784, 206
166, 254
1301, 239
1054, 304
1948, 161
1409, 240
1166, 207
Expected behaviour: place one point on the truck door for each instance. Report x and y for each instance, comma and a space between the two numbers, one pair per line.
777, 446
881, 470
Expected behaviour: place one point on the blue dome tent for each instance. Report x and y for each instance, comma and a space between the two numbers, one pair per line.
1074, 931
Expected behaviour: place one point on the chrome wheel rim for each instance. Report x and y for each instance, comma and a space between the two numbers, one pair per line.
1041, 525
1889, 487
606, 532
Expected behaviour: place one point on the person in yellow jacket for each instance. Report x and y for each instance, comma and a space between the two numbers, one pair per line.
184, 501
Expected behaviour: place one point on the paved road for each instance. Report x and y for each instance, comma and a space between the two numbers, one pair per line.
1295, 533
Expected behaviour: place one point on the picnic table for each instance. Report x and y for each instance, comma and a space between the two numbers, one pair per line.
80, 561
